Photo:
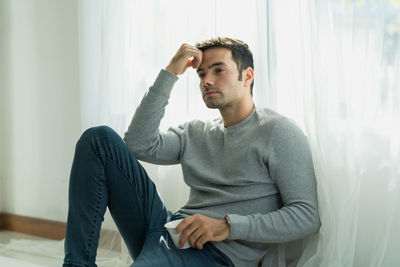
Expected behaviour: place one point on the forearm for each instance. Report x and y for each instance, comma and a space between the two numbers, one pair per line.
291, 168
287, 224
143, 135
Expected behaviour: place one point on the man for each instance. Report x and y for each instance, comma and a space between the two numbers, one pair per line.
250, 173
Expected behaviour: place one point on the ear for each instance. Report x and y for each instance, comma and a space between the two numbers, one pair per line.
248, 77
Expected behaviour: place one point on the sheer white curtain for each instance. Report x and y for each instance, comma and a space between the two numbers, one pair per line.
336, 71
333, 66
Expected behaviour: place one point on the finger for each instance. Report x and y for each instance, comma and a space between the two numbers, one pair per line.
183, 224
204, 238
188, 47
191, 51
198, 58
193, 63
188, 57
190, 62
193, 238
186, 234
196, 61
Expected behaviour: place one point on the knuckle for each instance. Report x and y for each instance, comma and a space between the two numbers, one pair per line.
208, 235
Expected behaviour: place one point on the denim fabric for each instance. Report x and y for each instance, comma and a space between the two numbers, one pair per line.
105, 174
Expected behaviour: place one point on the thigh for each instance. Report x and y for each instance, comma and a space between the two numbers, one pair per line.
159, 250
131, 195
135, 206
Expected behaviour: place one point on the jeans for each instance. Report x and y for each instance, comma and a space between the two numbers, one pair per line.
105, 174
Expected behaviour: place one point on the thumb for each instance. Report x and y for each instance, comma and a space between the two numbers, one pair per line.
189, 62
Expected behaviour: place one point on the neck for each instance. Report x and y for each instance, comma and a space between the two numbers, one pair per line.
236, 113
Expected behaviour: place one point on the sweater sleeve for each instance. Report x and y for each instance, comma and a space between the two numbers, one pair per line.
143, 136
290, 166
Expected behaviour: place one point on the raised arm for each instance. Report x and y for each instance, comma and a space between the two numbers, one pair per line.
143, 136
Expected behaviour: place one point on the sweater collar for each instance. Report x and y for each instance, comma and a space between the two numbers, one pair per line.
241, 124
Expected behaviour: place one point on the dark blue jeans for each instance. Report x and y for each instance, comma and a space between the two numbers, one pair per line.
105, 174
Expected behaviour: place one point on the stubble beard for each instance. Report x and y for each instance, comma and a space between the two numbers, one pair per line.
213, 103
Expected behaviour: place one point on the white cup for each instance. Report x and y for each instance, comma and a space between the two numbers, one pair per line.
175, 237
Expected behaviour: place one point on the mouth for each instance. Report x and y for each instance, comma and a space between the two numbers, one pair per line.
210, 93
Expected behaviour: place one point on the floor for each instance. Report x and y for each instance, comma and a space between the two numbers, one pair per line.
20, 250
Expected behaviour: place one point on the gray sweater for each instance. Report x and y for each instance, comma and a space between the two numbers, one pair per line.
259, 172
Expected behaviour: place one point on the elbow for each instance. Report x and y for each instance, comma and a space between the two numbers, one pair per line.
133, 144
314, 222
129, 141
309, 222
315, 226
142, 149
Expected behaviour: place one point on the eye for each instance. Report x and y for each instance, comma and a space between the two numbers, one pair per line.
219, 70
201, 75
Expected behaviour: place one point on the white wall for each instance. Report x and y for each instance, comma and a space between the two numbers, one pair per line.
39, 106
3, 95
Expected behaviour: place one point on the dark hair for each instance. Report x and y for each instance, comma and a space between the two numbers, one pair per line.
241, 53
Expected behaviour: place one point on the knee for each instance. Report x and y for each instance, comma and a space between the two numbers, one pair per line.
96, 133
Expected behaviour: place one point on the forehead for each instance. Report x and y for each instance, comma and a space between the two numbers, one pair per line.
213, 55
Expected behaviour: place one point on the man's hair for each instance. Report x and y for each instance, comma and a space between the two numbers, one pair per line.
241, 53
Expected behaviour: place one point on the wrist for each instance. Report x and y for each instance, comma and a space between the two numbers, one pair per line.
170, 70
228, 223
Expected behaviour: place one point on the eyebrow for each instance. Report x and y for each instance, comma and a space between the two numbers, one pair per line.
220, 63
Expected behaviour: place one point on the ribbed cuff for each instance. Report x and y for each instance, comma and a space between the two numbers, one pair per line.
164, 83
239, 226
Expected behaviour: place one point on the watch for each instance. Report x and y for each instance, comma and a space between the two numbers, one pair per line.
228, 221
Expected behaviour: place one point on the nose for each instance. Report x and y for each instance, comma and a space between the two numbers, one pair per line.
207, 80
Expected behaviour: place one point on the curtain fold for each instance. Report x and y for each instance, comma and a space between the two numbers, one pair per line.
337, 65
332, 66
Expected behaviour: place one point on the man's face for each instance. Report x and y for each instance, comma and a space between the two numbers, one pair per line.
219, 82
